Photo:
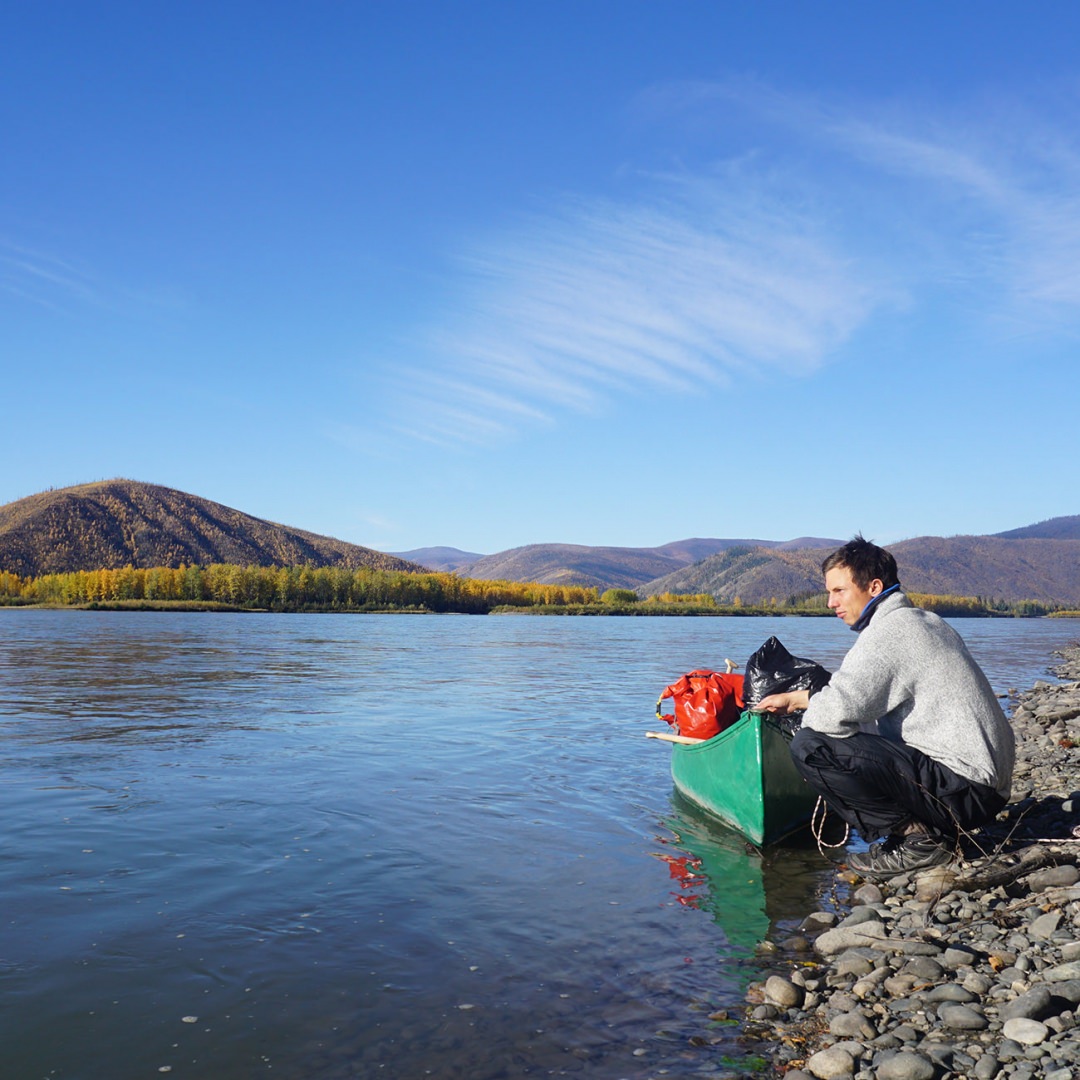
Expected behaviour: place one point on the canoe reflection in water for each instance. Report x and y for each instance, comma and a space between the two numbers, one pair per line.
754, 895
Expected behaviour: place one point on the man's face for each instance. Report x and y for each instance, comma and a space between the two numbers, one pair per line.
845, 597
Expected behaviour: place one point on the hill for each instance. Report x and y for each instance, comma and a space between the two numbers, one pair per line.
989, 566
751, 574
1059, 528
612, 567
439, 558
114, 523
573, 564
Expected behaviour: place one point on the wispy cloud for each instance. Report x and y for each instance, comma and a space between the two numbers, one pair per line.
42, 279
769, 258
63, 284
995, 182
594, 299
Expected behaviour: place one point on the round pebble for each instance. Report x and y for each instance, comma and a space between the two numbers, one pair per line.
906, 1065
831, 1064
1024, 1031
962, 1018
782, 992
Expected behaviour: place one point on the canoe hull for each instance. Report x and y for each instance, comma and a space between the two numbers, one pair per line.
746, 778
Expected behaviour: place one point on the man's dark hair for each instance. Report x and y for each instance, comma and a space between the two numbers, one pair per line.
866, 561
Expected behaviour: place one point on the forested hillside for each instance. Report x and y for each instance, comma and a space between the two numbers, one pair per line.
116, 523
1027, 569
613, 567
1059, 528
573, 564
119, 523
992, 567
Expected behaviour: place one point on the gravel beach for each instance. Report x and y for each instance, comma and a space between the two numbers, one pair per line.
969, 970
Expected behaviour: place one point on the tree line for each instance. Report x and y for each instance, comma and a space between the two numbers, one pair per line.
287, 588
309, 588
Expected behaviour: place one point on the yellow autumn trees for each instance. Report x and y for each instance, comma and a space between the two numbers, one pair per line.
280, 588
309, 588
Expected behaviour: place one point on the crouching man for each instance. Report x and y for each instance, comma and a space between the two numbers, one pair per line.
907, 740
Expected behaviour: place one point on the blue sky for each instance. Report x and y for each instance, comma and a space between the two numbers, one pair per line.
489, 274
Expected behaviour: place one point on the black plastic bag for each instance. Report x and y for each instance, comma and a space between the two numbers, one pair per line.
773, 670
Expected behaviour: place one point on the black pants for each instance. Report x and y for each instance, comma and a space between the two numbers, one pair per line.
877, 786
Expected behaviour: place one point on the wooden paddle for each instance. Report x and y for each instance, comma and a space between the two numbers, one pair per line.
664, 736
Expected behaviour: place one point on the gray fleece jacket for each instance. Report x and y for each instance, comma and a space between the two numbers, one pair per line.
912, 673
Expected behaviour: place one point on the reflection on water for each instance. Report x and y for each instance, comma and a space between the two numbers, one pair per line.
323, 846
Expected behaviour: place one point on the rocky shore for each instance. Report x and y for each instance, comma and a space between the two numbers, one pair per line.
969, 970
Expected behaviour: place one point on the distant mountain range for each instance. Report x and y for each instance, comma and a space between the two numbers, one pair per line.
114, 523
603, 567
1036, 562
119, 522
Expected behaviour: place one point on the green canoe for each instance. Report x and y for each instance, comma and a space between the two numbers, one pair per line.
745, 777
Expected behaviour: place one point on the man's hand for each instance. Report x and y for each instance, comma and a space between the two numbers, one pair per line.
793, 701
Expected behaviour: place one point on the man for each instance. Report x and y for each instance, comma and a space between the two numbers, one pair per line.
907, 740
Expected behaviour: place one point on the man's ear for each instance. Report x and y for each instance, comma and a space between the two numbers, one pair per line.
877, 587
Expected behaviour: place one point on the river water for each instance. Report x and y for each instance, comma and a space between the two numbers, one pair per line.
321, 846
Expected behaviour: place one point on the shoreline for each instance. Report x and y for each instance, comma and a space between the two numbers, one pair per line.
967, 970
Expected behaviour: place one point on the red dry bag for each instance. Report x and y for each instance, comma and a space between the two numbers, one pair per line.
706, 702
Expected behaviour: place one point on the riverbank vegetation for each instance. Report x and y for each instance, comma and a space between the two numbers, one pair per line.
304, 588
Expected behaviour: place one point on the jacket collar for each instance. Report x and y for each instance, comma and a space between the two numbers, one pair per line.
868, 612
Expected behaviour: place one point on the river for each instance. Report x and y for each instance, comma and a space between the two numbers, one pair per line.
322, 846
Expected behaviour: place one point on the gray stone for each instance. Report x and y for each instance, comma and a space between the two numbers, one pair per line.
831, 1064
951, 992
977, 983
868, 893
841, 1002
1033, 1005
905, 1065
855, 1049
888, 1041
1053, 876
1069, 990
1063, 972
819, 920
962, 1017
900, 985
905, 946
1070, 950
1044, 926
868, 984
852, 964
779, 991
1025, 1031
941, 1054
1009, 1050
925, 967
863, 913
796, 944
986, 1068
847, 937
956, 956
851, 1025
